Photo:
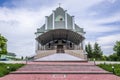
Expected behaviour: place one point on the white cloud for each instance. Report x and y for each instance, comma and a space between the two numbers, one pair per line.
115, 17
110, 39
19, 24
111, 1
107, 43
79, 4
107, 47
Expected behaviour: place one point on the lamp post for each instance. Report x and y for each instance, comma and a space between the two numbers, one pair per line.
26, 59
94, 61
113, 69
104, 63
8, 67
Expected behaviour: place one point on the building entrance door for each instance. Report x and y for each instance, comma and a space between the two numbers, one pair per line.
60, 49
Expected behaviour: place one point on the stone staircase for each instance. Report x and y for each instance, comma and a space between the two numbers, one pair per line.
77, 53
60, 71
44, 53
59, 68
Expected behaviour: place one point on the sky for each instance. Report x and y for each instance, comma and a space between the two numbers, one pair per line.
19, 20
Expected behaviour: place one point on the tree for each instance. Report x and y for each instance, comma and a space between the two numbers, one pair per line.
97, 52
94, 52
104, 57
88, 49
117, 48
22, 58
113, 57
3, 45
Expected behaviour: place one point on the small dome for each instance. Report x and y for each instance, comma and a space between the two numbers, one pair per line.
59, 8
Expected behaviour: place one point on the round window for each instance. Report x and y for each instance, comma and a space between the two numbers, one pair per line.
59, 18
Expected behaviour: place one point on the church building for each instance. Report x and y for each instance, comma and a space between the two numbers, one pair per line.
60, 35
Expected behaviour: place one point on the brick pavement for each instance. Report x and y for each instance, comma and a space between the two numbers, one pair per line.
60, 77
70, 71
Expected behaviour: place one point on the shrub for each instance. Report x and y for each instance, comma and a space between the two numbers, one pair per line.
7, 68
108, 67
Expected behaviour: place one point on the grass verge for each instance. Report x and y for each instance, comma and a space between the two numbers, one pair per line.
108, 67
7, 68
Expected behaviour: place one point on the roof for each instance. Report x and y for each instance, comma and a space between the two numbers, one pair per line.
60, 34
67, 22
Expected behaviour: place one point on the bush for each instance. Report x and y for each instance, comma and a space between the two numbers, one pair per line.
7, 68
108, 67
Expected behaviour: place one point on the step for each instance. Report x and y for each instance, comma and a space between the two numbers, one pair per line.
59, 72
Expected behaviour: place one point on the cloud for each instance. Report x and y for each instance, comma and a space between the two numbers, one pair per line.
107, 43
117, 23
111, 1
105, 9
19, 20
110, 39
114, 18
19, 26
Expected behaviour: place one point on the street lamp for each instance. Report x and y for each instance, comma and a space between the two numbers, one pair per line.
8, 67
94, 61
26, 59
104, 63
113, 69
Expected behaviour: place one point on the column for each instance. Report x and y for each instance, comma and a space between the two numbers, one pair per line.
82, 45
73, 22
46, 22
44, 47
36, 47
53, 20
39, 46
66, 19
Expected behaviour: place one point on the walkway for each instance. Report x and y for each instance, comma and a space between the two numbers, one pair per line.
60, 71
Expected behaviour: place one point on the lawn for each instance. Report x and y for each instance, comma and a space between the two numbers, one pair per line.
7, 68
108, 67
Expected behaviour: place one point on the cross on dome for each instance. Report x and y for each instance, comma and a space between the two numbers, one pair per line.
59, 4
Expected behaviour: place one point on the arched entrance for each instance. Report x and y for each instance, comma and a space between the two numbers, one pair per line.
60, 49
60, 39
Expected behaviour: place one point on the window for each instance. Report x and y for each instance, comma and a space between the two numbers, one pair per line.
59, 18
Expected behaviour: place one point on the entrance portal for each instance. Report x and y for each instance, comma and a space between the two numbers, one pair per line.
60, 49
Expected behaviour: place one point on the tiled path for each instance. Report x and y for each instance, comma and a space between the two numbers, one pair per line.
60, 71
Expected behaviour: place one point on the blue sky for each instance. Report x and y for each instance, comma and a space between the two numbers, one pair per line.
19, 20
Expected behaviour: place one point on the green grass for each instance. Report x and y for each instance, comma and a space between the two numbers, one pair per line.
108, 67
7, 68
